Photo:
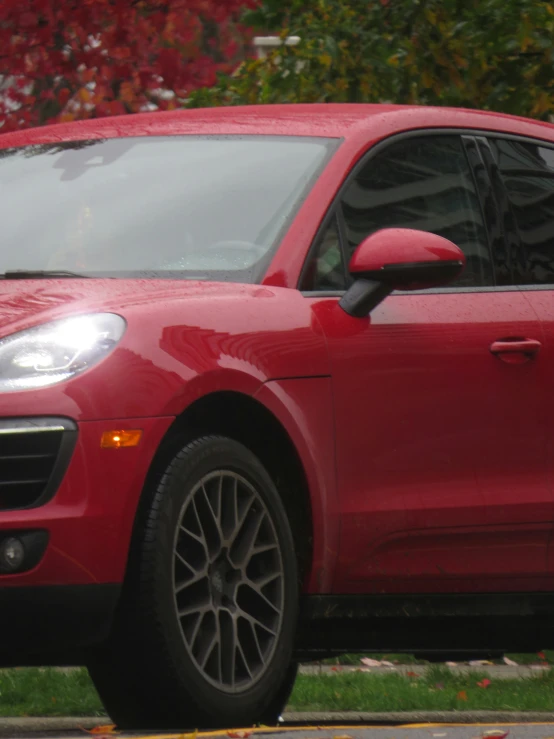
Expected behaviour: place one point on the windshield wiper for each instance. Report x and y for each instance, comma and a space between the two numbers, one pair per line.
38, 274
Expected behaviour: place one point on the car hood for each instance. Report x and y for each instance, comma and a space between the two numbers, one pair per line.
25, 303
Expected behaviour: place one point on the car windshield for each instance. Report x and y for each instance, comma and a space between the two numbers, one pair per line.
192, 207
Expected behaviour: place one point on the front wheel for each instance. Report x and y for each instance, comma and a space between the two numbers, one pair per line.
206, 629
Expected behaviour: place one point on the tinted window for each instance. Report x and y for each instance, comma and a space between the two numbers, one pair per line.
326, 269
423, 183
528, 174
179, 206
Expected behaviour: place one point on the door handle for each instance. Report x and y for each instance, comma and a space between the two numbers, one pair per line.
503, 348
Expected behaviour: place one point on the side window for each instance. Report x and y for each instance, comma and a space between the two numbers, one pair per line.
423, 183
527, 170
326, 268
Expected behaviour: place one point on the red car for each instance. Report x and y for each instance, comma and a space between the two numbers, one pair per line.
275, 383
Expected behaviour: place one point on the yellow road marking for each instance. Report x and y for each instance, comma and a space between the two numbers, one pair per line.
326, 727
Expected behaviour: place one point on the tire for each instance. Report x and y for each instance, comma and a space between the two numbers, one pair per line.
205, 633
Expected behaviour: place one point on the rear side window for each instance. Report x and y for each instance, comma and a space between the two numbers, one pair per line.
422, 183
527, 170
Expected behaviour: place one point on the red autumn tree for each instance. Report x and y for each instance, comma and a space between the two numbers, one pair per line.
63, 60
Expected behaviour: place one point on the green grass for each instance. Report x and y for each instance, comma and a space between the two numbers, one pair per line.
438, 690
49, 692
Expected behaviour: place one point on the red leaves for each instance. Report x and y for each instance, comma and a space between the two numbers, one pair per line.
483, 683
28, 20
462, 696
240, 734
169, 62
121, 49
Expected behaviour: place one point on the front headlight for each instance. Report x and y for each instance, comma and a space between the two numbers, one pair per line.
54, 352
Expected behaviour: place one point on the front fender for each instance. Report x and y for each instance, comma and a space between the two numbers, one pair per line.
304, 409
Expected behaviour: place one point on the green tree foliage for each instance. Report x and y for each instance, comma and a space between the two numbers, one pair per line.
491, 54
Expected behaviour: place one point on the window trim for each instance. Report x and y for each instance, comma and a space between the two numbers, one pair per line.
376, 149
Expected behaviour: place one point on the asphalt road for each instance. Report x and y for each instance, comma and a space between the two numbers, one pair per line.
528, 730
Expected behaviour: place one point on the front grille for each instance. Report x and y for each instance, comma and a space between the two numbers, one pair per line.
34, 454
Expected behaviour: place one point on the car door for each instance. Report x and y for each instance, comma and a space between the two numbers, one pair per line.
524, 172
440, 428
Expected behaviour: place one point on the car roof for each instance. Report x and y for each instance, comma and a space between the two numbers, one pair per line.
336, 120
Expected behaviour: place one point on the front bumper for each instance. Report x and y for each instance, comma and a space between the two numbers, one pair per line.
88, 520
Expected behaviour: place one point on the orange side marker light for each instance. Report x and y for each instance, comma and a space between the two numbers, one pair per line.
119, 438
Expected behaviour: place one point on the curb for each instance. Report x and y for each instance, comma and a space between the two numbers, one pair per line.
421, 717
499, 672
26, 725
12, 727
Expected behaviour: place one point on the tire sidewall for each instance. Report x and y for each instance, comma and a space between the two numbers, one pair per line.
187, 469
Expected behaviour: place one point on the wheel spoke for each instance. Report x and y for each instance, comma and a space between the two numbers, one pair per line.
243, 544
196, 630
207, 651
264, 598
256, 642
228, 580
227, 647
192, 609
262, 548
209, 524
187, 583
200, 538
242, 518
261, 582
215, 511
256, 622
244, 660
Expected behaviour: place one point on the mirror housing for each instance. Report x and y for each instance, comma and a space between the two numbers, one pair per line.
399, 259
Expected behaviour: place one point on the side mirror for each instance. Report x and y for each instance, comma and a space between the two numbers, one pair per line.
398, 259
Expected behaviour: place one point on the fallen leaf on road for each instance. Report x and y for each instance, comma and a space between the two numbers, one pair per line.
238, 734
479, 662
104, 730
462, 695
497, 733
368, 662
483, 683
